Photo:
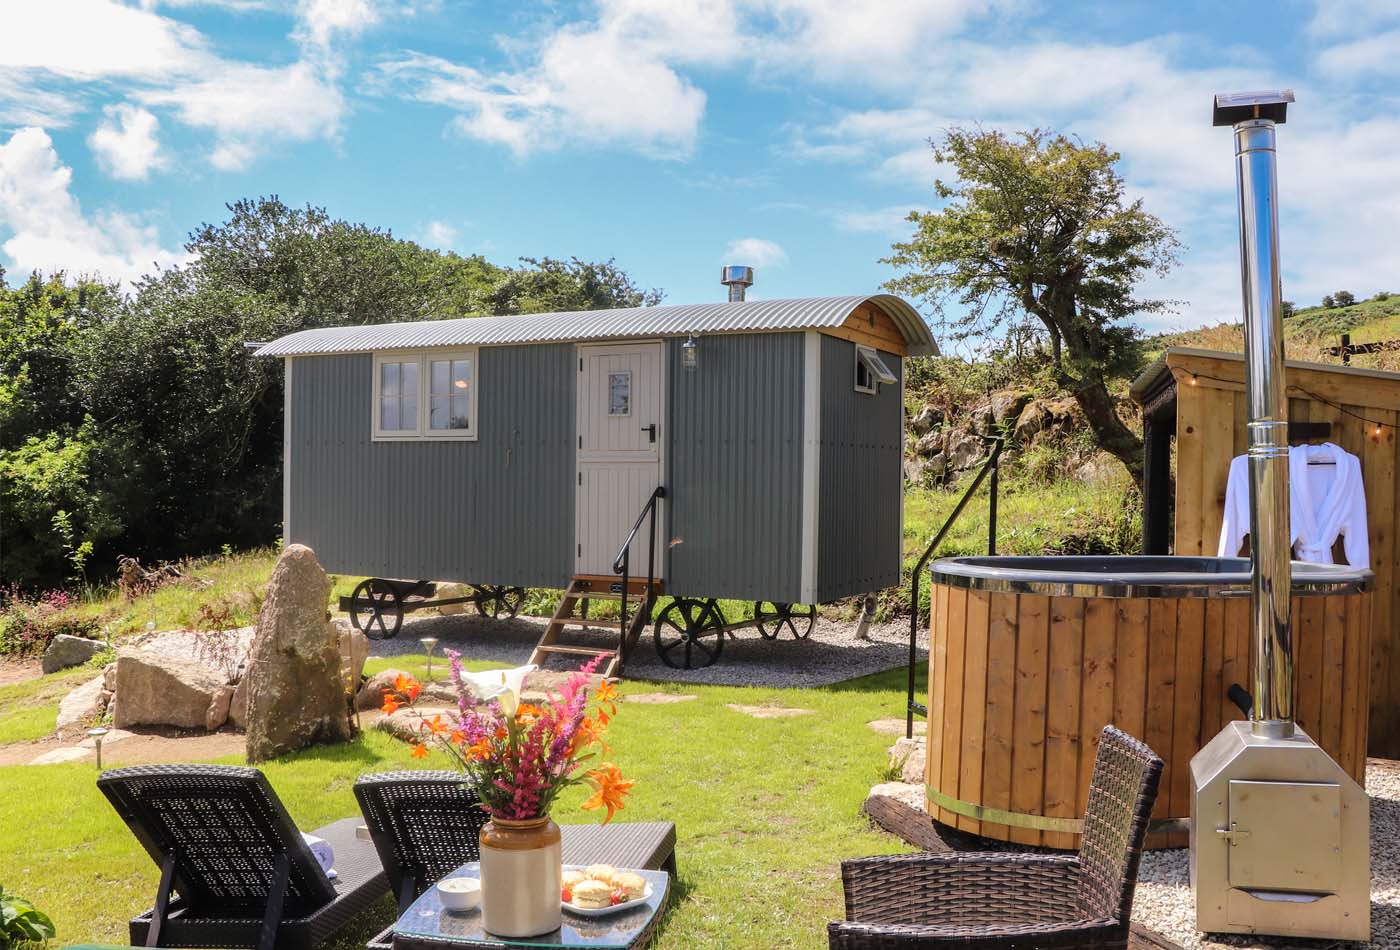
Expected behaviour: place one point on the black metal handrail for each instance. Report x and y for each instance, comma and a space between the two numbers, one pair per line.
622, 564
988, 467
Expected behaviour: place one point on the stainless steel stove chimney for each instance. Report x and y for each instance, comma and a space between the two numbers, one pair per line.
1280, 834
738, 279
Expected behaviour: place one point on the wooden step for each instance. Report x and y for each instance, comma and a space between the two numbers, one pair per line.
586, 622
573, 651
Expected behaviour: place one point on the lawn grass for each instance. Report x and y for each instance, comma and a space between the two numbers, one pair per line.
764, 808
29, 710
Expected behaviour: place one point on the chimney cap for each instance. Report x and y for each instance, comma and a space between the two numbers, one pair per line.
736, 274
1233, 107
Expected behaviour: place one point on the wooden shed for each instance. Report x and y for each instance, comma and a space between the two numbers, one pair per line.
1196, 399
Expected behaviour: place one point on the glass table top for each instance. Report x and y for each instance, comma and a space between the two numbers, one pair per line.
426, 919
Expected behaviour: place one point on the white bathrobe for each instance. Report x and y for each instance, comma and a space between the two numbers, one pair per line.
1325, 502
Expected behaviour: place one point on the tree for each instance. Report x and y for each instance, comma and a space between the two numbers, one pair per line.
1328, 303
1344, 298
1038, 225
1287, 308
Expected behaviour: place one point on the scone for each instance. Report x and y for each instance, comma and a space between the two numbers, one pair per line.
592, 894
570, 878
600, 872
634, 885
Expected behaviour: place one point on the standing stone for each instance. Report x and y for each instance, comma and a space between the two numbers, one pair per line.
296, 690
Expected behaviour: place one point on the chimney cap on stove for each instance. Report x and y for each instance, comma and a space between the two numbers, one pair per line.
1232, 107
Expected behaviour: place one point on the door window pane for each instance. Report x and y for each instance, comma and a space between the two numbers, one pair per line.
619, 394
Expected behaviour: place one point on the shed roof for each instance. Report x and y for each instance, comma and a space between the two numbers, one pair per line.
748, 316
1362, 384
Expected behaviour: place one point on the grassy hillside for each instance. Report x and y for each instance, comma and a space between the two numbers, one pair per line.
1309, 330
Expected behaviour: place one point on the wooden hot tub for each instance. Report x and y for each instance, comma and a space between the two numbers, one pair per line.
1031, 657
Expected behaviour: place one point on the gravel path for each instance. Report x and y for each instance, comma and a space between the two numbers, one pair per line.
1165, 903
831, 654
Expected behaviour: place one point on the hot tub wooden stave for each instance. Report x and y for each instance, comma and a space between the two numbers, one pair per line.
1021, 684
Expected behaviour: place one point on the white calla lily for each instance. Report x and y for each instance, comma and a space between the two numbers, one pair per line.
503, 685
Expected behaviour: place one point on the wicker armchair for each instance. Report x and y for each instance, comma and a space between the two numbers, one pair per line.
975, 900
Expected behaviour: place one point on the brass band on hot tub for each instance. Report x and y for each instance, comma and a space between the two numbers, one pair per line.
997, 816
1016, 819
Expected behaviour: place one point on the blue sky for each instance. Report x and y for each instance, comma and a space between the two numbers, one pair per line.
675, 136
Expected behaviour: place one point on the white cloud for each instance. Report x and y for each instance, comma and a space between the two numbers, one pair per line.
892, 221
1351, 17
586, 87
248, 106
324, 20
754, 252
619, 78
93, 39
126, 144
49, 230
1376, 55
162, 63
439, 234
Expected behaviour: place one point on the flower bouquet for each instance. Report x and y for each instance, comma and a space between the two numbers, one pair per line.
518, 757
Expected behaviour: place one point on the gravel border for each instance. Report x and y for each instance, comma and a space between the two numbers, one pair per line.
1165, 902
830, 655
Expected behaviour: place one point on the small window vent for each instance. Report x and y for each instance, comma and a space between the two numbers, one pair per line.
871, 370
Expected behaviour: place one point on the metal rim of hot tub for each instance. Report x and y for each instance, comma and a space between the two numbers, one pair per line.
1133, 576
1044, 651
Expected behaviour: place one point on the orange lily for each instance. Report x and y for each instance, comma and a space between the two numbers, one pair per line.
606, 692
420, 751
436, 726
610, 788
527, 711
391, 703
407, 686
479, 750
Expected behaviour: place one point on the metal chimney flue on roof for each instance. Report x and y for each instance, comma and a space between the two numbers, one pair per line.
1280, 833
738, 279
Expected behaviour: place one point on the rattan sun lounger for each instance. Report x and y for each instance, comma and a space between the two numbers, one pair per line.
243, 874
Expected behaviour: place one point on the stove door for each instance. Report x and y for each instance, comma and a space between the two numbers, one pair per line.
1285, 836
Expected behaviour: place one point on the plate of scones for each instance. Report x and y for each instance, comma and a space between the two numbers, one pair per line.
601, 889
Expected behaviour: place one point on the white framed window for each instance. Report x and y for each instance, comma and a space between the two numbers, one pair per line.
871, 371
430, 395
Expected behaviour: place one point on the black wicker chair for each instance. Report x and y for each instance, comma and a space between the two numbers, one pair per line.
985, 900
424, 825
243, 874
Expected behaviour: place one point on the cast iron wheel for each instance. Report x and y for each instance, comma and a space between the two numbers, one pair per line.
688, 634
376, 609
493, 600
771, 619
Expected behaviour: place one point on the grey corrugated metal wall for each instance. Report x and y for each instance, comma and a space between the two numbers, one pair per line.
496, 511
858, 541
736, 468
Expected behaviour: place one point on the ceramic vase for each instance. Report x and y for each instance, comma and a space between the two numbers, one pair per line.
521, 866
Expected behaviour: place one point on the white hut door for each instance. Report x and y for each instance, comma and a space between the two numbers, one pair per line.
619, 452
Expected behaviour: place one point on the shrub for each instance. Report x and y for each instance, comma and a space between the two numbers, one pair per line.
1344, 298
1328, 302
29, 625
21, 922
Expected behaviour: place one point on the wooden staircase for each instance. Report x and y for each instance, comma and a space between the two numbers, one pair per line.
584, 590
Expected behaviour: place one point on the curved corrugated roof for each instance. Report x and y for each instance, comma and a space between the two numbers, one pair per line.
748, 316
